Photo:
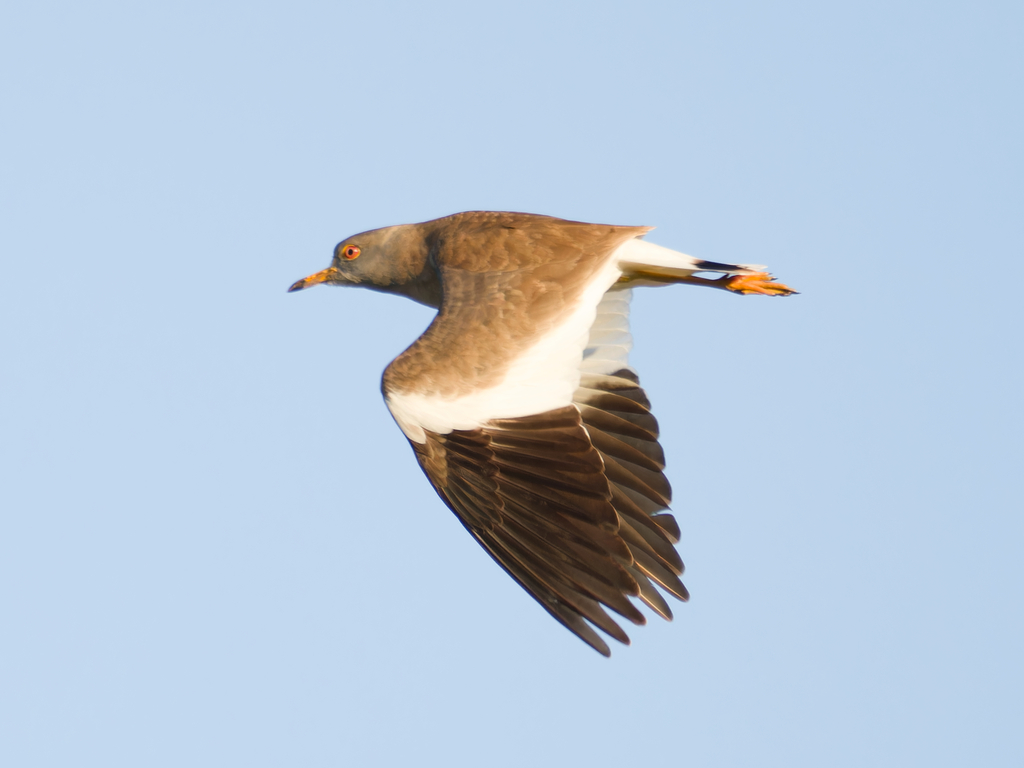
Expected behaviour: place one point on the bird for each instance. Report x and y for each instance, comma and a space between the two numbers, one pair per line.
520, 404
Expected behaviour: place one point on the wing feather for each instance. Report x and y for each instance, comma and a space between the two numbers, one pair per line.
570, 497
536, 493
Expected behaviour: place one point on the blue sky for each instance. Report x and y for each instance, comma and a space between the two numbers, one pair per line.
217, 549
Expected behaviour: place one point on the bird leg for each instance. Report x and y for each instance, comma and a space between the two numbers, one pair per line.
755, 282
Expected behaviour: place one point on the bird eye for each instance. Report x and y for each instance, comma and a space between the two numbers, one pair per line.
351, 251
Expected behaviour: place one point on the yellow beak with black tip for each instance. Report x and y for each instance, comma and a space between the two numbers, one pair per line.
323, 276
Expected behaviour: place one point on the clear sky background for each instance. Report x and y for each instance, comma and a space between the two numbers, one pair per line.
217, 549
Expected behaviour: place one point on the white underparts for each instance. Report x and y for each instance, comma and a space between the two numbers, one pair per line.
595, 338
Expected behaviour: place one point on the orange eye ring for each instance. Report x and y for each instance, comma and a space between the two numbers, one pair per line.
350, 251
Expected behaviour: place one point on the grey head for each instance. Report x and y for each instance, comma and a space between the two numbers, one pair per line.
392, 259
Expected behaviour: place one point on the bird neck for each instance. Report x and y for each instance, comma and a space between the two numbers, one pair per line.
409, 269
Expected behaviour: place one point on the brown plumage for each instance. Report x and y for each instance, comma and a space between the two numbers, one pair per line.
491, 266
520, 407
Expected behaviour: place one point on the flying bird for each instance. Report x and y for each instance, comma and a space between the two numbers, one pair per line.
520, 404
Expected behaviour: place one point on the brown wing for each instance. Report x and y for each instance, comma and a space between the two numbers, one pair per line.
565, 502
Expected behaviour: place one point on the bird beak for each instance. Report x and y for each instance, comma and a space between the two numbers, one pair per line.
323, 276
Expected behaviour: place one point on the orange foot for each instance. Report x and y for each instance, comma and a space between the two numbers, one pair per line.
759, 282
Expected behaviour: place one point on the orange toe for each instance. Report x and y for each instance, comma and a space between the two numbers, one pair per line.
759, 282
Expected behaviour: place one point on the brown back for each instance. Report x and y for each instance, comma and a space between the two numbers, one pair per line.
506, 279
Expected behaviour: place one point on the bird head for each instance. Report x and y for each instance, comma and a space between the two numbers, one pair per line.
362, 258
392, 259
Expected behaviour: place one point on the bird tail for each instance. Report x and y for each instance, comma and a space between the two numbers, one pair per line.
644, 263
